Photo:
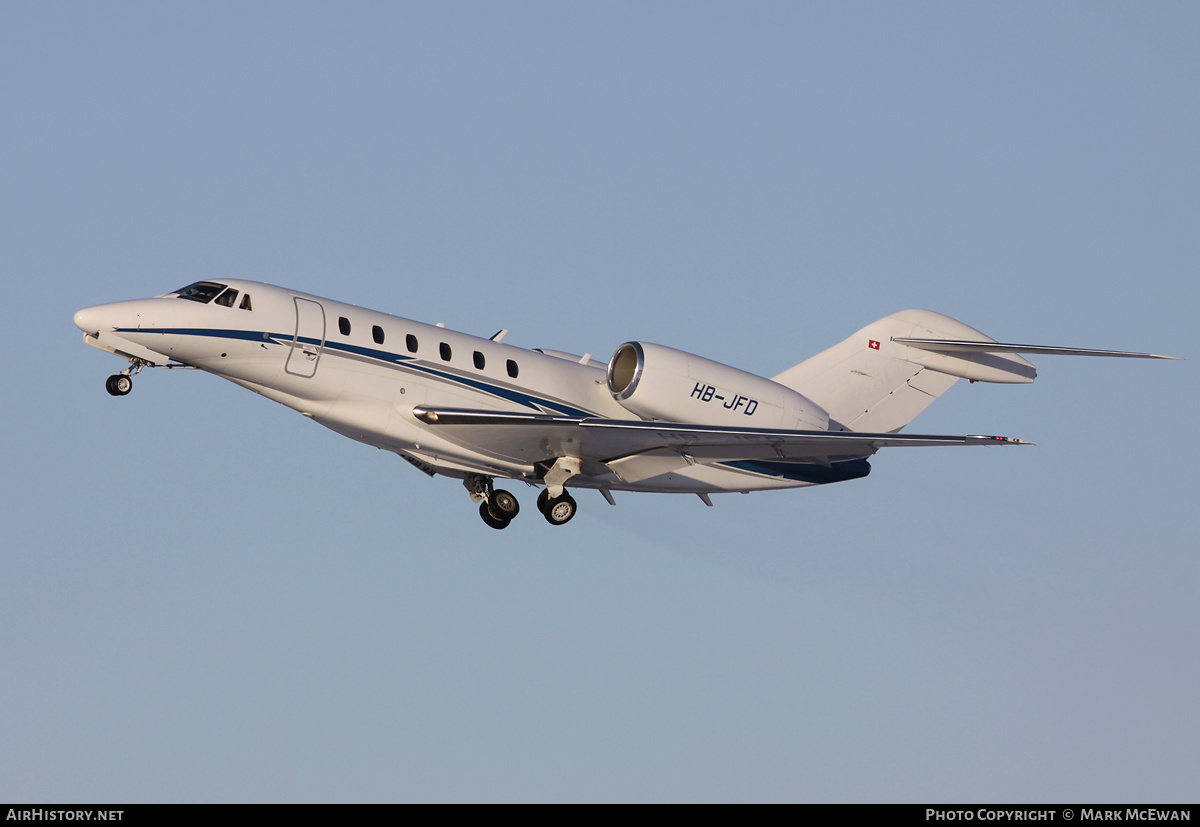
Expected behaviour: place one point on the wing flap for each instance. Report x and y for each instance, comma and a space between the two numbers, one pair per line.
517, 437
638, 467
707, 443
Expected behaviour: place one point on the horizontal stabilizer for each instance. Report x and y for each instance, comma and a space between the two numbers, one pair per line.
966, 346
880, 378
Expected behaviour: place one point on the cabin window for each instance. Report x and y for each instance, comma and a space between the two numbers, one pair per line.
344, 325
377, 334
245, 305
410, 341
201, 291
479, 361
227, 298
512, 369
444, 349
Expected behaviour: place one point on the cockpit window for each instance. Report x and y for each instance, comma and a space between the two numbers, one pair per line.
201, 291
227, 298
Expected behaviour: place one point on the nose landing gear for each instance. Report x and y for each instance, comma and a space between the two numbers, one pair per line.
120, 384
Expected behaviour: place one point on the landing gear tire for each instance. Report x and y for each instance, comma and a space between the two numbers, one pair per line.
559, 510
118, 385
486, 514
503, 505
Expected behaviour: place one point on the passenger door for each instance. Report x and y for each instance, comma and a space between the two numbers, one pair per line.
309, 340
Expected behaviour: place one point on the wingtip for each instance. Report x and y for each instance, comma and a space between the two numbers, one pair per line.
1000, 440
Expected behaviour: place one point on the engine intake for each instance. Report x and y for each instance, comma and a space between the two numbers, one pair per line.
625, 370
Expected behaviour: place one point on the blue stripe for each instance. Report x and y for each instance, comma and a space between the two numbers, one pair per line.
401, 360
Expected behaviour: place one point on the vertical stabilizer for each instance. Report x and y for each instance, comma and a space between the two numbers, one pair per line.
871, 383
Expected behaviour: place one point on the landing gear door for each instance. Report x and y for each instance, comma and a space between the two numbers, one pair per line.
309, 340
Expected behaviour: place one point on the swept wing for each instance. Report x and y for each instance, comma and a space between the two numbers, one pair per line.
635, 450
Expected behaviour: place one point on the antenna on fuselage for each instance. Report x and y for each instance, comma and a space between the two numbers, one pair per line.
499, 335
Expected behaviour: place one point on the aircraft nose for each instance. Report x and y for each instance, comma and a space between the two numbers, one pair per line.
88, 320
103, 317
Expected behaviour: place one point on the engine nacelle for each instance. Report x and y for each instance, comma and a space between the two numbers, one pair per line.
657, 382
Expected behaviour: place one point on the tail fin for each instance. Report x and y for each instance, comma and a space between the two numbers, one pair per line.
872, 382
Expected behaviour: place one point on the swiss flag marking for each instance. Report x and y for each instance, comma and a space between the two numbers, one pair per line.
874, 345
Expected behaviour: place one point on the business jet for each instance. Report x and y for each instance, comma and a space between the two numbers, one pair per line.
651, 418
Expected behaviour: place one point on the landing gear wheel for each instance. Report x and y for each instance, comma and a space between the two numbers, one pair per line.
503, 505
486, 514
559, 510
118, 385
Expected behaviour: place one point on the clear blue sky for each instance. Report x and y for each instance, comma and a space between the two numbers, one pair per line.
209, 598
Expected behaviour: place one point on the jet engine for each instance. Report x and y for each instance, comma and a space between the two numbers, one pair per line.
661, 383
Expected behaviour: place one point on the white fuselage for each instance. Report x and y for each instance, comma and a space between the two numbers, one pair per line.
361, 372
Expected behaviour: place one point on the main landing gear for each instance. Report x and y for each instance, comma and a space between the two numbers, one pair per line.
557, 510
498, 507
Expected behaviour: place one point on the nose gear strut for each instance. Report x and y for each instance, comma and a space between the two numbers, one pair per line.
121, 383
